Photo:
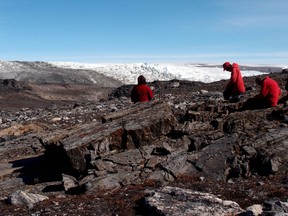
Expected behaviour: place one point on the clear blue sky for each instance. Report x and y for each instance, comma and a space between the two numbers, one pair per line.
207, 31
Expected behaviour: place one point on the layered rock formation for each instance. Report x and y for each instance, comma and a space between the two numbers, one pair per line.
83, 148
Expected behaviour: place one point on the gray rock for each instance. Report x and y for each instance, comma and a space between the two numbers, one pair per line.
24, 198
212, 160
69, 182
179, 201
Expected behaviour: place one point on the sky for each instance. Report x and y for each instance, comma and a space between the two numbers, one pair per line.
127, 31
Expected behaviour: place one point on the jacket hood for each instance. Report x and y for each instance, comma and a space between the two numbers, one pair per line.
235, 65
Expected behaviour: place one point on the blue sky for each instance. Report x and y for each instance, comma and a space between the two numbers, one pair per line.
97, 31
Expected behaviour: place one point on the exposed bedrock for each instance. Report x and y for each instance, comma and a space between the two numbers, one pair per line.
146, 143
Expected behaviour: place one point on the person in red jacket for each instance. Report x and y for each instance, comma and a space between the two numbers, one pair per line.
270, 91
141, 92
268, 96
235, 86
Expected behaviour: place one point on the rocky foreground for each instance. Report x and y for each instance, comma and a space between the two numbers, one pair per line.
82, 150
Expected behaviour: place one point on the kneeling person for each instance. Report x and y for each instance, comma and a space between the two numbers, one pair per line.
268, 96
141, 92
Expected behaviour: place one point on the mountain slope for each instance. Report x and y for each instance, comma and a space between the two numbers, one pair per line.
43, 72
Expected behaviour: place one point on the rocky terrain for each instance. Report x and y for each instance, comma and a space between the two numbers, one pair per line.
85, 149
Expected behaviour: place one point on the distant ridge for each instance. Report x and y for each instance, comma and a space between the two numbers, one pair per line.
45, 72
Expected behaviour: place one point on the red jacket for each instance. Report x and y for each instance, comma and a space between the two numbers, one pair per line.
141, 93
270, 90
236, 83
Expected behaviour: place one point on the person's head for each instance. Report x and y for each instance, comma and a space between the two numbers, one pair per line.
141, 80
227, 66
259, 80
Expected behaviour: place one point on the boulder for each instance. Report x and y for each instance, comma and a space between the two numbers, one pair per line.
24, 198
179, 201
122, 131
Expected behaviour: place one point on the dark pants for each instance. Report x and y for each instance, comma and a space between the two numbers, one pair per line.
283, 100
255, 103
233, 98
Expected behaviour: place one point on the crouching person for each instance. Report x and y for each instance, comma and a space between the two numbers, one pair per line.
235, 87
268, 96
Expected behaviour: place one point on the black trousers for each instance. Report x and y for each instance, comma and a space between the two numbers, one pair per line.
255, 103
233, 98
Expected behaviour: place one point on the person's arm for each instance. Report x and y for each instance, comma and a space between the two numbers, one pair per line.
228, 86
264, 91
232, 80
234, 75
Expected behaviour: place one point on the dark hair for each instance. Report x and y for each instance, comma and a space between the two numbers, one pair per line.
141, 80
258, 80
226, 65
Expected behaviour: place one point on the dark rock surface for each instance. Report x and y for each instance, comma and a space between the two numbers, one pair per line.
92, 152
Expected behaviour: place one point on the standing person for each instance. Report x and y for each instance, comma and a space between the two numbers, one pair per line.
141, 92
235, 86
268, 96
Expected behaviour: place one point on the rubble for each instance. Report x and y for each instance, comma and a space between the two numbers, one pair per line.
187, 138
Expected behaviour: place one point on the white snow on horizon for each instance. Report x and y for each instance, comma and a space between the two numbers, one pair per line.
128, 73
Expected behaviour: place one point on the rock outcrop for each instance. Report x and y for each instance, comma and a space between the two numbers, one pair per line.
85, 148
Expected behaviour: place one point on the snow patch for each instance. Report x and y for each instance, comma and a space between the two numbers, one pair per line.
128, 73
